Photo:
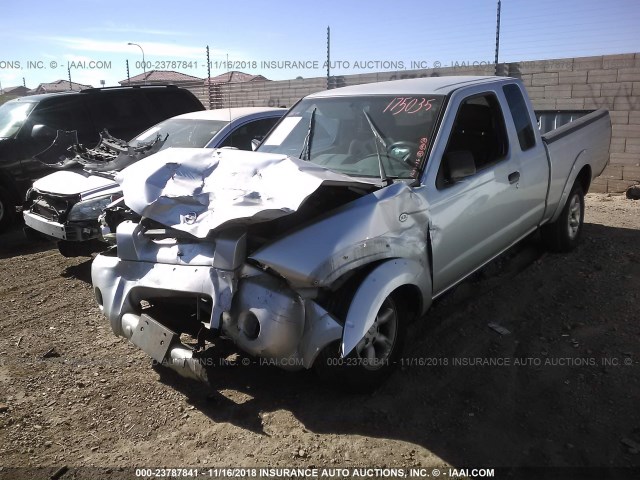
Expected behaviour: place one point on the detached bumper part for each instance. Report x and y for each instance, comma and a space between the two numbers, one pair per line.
163, 345
73, 233
47, 227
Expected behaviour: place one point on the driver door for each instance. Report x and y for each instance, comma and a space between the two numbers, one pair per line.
473, 218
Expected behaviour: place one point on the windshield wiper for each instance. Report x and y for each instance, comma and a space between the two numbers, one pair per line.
378, 137
305, 154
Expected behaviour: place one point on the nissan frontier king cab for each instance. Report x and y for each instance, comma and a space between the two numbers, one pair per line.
363, 205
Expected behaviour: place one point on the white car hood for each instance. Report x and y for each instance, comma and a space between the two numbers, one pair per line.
68, 182
197, 190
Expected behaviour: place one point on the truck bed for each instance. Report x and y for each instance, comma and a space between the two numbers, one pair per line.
551, 119
584, 141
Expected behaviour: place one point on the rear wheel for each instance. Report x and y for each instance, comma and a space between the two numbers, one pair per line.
7, 210
563, 235
373, 359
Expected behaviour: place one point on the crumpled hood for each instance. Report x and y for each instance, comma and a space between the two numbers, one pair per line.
197, 190
69, 182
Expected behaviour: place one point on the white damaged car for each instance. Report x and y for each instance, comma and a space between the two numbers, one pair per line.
64, 206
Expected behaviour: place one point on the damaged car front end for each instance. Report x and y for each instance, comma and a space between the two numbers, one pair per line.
56, 206
311, 252
65, 205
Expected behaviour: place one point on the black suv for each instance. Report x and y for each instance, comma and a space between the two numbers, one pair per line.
28, 125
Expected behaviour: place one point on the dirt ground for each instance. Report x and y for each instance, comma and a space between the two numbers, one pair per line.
566, 393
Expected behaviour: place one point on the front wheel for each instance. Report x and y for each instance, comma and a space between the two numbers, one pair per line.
563, 234
373, 359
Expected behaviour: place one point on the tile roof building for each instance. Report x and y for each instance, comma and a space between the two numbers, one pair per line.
58, 86
14, 91
235, 76
160, 77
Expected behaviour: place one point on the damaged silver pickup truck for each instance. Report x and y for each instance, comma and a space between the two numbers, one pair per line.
362, 205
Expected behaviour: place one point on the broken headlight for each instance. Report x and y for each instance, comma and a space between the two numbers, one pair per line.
89, 209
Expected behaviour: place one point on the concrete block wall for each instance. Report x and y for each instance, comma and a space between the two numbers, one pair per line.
587, 83
582, 83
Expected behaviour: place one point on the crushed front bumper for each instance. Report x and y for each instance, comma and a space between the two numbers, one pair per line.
59, 231
283, 326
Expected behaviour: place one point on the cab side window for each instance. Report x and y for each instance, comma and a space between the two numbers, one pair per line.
477, 141
520, 114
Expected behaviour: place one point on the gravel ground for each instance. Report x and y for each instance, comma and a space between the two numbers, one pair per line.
562, 388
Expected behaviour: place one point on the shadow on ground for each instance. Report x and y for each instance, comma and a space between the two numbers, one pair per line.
14, 243
572, 327
81, 271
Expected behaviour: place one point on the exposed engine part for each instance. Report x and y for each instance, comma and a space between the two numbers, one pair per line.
114, 154
110, 154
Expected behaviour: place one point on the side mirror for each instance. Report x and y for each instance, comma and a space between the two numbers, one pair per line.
460, 165
254, 143
42, 132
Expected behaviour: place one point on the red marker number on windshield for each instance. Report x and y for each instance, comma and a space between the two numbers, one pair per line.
408, 105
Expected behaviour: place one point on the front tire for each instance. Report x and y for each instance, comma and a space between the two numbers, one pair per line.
373, 359
564, 234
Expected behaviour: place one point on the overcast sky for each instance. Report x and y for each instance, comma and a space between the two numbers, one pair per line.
258, 37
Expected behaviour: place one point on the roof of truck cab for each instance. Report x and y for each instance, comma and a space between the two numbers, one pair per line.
227, 114
412, 86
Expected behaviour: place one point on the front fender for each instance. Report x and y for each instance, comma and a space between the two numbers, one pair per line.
373, 290
389, 223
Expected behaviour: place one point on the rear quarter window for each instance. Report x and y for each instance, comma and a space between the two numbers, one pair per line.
520, 115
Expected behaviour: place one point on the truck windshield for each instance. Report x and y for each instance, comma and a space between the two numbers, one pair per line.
12, 117
363, 136
182, 132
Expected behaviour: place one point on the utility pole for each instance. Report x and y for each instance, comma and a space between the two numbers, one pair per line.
69, 72
209, 79
497, 37
328, 57
128, 78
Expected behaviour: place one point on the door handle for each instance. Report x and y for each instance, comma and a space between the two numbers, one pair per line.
514, 177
